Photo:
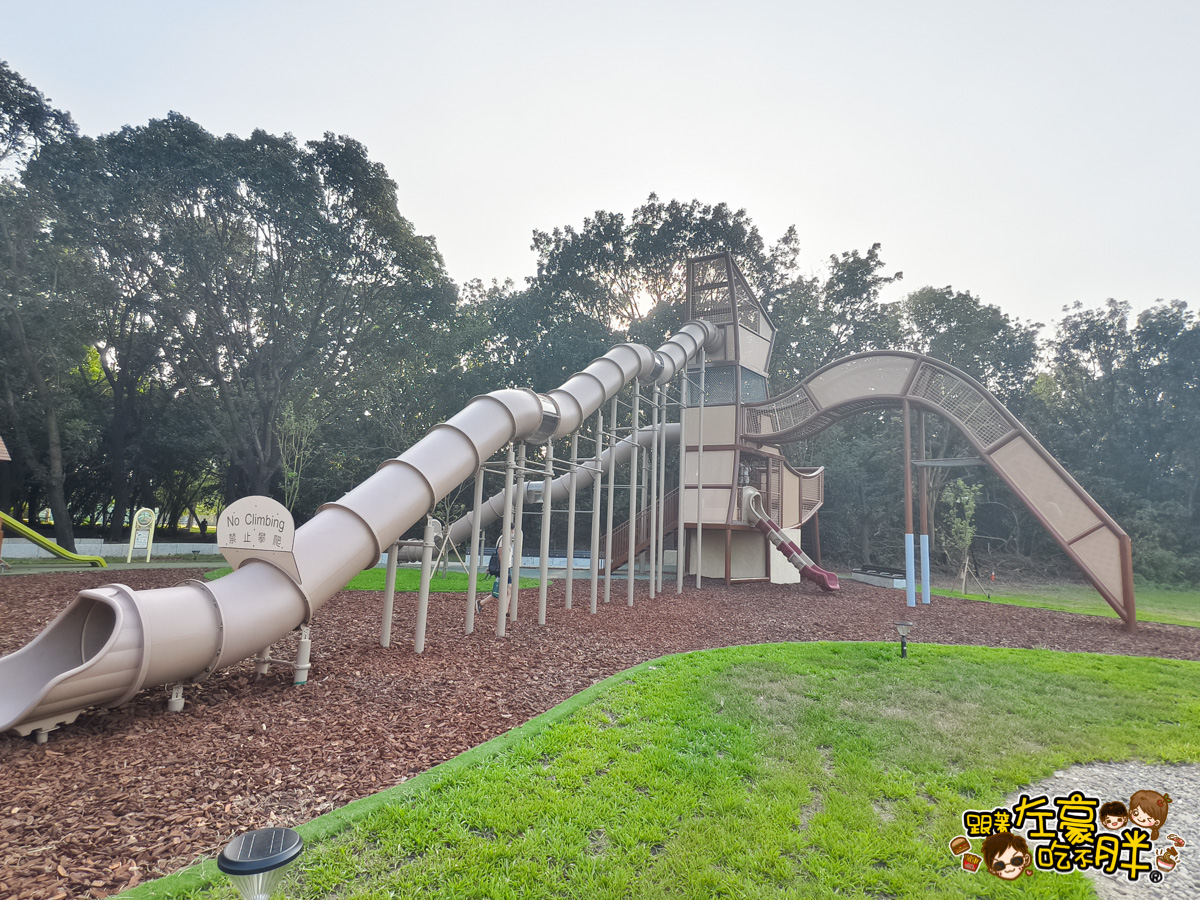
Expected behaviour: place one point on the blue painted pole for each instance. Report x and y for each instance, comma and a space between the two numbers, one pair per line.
924, 568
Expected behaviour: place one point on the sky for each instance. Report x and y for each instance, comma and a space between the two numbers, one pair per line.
1036, 154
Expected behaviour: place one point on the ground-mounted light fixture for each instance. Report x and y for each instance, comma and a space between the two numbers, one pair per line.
256, 860
904, 628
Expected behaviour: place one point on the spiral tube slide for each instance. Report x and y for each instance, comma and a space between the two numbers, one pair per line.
752, 503
112, 641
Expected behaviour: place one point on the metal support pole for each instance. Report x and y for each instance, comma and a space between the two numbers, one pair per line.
633, 486
505, 543
700, 480
662, 484
473, 572
423, 595
544, 549
910, 574
518, 534
572, 486
612, 486
174, 701
923, 489
597, 495
389, 595
303, 656
654, 505
681, 533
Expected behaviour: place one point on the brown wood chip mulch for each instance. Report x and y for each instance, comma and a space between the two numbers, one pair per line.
129, 794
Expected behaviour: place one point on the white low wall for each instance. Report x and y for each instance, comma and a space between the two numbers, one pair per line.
20, 548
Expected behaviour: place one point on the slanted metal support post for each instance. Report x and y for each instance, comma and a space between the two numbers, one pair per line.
426, 575
389, 595
505, 543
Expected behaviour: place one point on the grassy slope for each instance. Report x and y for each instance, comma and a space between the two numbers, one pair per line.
799, 770
1173, 607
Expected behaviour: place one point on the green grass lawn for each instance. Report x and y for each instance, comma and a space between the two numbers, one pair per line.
408, 580
1173, 607
791, 770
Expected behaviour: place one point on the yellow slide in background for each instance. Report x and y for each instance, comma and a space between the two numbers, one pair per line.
28, 533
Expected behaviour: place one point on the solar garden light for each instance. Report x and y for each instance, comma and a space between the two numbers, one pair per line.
256, 860
904, 628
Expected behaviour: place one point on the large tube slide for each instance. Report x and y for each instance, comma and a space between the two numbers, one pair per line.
752, 503
46, 544
112, 641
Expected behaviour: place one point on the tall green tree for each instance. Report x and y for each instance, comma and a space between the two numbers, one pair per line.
39, 339
261, 268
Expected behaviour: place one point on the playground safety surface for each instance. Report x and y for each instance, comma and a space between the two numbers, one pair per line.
125, 795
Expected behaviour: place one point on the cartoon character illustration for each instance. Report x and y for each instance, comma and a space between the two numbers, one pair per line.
1006, 855
1149, 810
1113, 815
1167, 859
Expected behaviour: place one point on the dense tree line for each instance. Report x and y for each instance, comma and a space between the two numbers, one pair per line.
187, 318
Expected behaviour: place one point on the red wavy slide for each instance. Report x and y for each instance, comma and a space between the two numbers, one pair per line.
752, 503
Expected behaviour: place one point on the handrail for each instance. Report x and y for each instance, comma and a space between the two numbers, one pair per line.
620, 544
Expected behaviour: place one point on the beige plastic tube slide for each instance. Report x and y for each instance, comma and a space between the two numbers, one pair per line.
112, 641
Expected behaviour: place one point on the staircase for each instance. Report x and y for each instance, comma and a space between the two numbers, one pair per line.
620, 543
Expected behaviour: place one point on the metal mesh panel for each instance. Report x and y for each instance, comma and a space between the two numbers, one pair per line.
978, 415
776, 484
786, 412
754, 387
709, 272
720, 386
747, 307
712, 304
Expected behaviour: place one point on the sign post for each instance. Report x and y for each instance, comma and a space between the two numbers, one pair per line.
142, 535
258, 528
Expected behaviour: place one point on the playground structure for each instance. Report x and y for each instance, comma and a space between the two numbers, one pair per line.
734, 514
23, 530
